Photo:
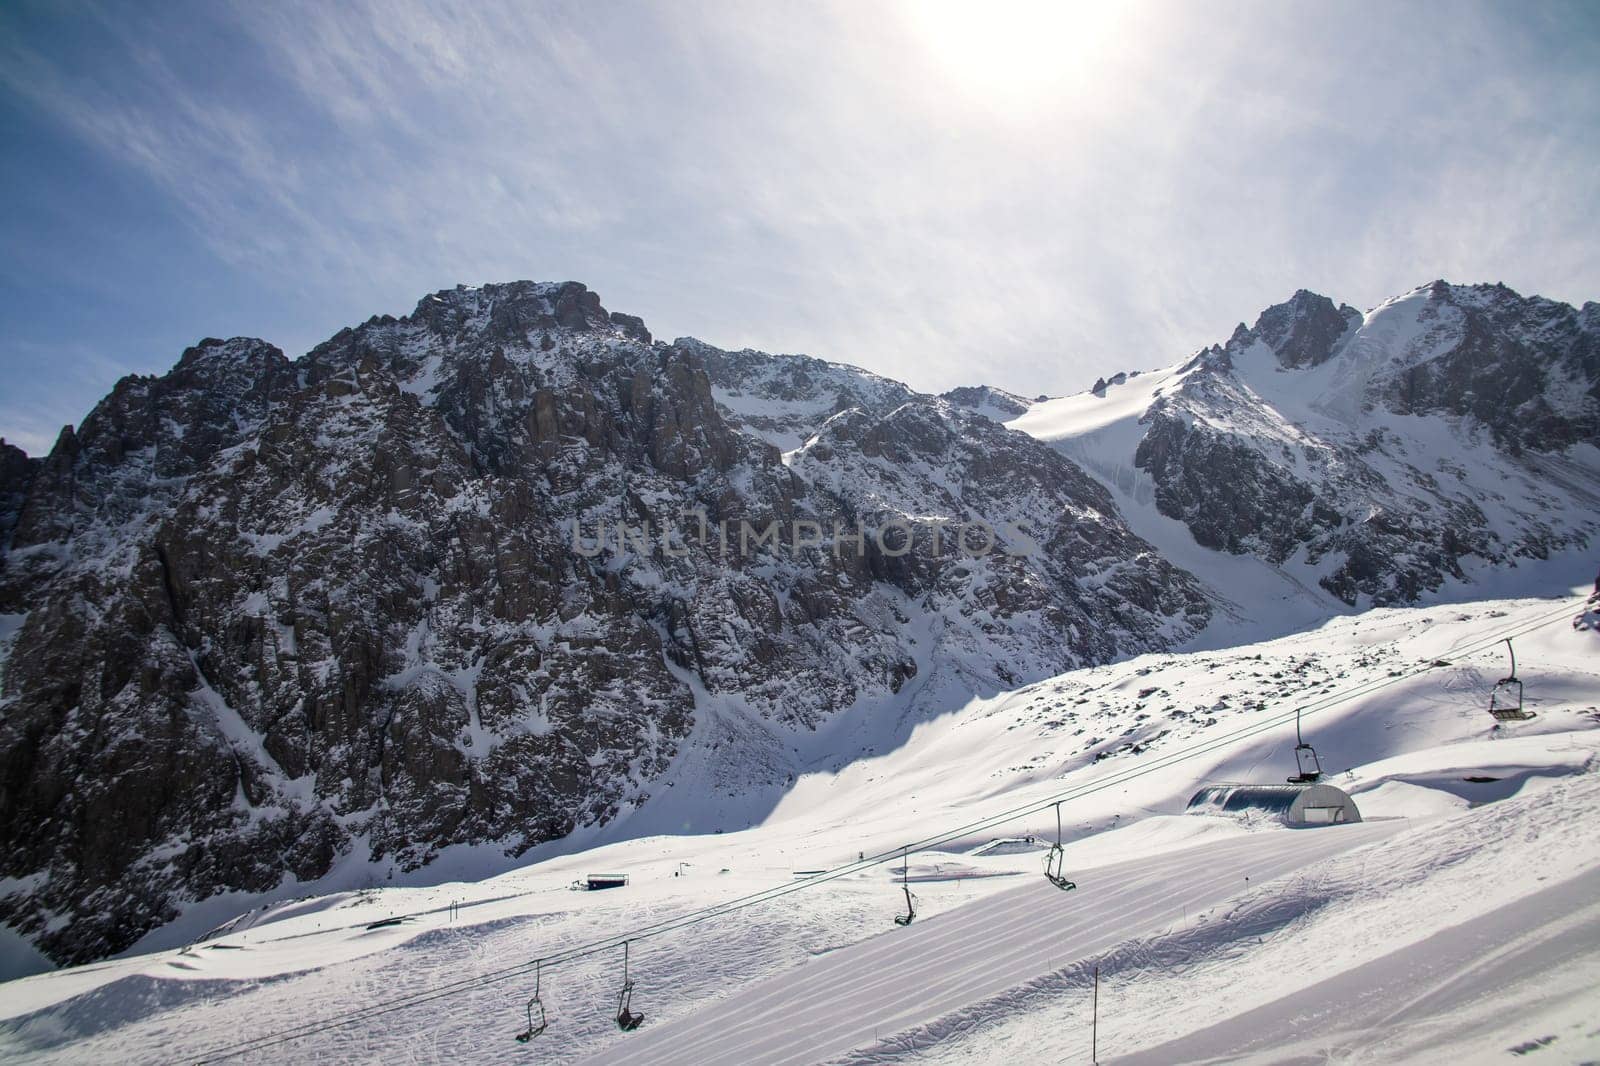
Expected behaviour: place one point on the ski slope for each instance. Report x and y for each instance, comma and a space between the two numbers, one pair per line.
848, 998
1453, 987
1465, 822
1467, 939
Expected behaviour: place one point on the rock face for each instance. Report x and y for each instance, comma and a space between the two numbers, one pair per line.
16, 477
1306, 330
1067, 578
261, 614
1526, 369
1381, 455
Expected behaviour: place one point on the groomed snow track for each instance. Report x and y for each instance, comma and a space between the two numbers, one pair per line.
859, 995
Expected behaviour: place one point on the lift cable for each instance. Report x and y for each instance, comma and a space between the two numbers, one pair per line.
691, 918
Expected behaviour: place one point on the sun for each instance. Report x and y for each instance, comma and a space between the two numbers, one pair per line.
1015, 53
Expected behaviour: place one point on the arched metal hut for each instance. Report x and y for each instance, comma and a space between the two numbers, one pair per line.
1297, 805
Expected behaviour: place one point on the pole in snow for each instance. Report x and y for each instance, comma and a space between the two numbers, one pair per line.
1094, 1025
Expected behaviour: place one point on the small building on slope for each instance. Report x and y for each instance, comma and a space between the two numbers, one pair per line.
1297, 805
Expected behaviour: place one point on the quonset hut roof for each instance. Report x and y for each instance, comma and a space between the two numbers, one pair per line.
1275, 798
1296, 804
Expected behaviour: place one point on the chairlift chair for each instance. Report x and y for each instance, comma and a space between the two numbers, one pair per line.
905, 883
627, 1018
1505, 699
535, 1027
1055, 862
1305, 757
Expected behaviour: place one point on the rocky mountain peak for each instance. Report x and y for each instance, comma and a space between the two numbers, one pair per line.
1260, 462
545, 327
785, 399
1304, 330
248, 353
991, 402
516, 305
416, 590
1217, 358
1526, 368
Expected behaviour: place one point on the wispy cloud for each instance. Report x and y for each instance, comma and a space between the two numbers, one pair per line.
817, 177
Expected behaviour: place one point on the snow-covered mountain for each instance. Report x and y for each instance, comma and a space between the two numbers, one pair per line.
264, 617
1379, 456
269, 622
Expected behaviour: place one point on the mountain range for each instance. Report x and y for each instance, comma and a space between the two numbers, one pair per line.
490, 574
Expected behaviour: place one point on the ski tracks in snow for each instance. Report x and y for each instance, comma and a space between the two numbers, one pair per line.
925, 978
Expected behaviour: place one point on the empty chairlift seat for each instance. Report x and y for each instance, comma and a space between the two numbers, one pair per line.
1297, 805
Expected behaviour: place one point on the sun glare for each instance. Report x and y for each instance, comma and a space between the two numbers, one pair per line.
1017, 52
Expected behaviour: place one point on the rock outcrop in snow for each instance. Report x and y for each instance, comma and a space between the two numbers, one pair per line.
986, 400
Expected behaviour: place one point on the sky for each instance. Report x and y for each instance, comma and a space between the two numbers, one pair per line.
1027, 194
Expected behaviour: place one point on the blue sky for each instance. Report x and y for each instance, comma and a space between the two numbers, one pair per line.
1028, 195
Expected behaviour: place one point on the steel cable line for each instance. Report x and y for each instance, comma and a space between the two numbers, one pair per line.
767, 895
742, 903
733, 906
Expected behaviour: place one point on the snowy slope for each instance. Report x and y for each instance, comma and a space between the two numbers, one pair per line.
1406, 746
896, 981
1458, 939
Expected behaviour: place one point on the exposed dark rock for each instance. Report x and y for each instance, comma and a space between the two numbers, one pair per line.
17, 472
989, 401
1306, 330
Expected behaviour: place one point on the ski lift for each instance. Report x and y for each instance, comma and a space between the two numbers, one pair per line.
1055, 862
627, 1018
905, 883
1305, 757
534, 1027
1505, 699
